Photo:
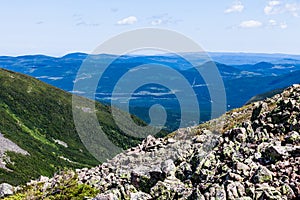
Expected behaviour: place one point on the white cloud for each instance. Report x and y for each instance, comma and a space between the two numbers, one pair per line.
293, 9
250, 24
276, 7
275, 24
236, 7
127, 21
272, 22
273, 7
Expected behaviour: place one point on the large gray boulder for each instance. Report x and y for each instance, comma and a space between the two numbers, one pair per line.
6, 189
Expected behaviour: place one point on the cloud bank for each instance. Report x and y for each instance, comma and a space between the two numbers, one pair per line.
250, 24
127, 21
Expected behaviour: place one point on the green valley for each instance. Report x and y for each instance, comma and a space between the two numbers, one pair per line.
38, 118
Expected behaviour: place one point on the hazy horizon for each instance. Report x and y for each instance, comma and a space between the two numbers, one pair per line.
57, 28
158, 54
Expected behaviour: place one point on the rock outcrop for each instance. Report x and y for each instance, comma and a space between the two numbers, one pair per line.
7, 145
6, 190
248, 153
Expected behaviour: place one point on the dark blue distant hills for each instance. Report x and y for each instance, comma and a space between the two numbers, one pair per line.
244, 76
253, 58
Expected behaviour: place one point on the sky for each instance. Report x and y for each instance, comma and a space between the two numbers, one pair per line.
58, 27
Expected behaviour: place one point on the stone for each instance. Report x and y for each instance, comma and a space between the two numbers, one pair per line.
184, 171
242, 169
196, 194
168, 167
6, 189
235, 177
267, 192
292, 138
288, 191
262, 175
244, 198
43, 179
171, 140
150, 143
238, 134
109, 196
220, 193
170, 188
235, 190
199, 139
140, 196
275, 153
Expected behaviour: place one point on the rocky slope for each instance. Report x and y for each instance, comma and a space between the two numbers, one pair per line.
248, 153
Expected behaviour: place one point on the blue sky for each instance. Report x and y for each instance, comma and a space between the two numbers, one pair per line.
58, 27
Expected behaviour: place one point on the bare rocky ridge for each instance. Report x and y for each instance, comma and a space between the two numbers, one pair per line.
248, 153
7, 145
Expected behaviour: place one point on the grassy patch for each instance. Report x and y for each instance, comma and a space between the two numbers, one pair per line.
66, 188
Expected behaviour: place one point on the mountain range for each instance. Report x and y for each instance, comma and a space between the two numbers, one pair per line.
244, 76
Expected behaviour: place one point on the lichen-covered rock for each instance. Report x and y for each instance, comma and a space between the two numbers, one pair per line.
170, 188
262, 175
215, 192
293, 137
288, 191
267, 192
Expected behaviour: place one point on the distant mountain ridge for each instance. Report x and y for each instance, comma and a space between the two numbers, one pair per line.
253, 58
244, 75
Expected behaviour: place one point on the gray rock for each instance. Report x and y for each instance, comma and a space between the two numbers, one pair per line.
244, 198
140, 196
292, 138
168, 167
219, 192
199, 138
262, 175
240, 134
184, 171
267, 192
275, 153
196, 195
242, 169
6, 189
150, 143
288, 191
235, 177
109, 196
235, 190
170, 188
